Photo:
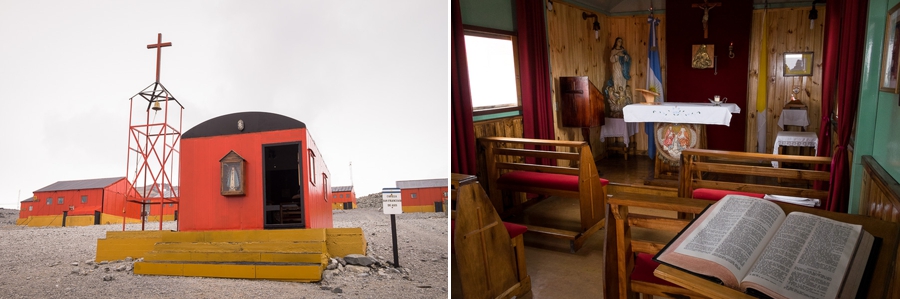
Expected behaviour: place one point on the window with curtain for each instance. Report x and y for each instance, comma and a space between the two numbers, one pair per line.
493, 71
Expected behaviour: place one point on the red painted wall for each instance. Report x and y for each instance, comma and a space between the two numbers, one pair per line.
23, 210
424, 196
318, 196
202, 207
728, 23
109, 200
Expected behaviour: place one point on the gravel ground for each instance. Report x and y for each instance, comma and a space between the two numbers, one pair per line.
56, 263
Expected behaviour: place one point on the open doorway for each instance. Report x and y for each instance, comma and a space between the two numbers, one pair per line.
282, 193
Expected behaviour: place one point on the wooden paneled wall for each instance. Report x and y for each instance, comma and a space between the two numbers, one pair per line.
575, 52
788, 31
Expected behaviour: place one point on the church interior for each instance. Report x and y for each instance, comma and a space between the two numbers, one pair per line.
620, 114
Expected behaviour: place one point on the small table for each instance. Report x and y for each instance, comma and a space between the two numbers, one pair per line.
791, 138
617, 127
793, 117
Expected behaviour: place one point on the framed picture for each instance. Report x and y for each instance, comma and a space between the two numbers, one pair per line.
798, 64
891, 48
702, 56
232, 174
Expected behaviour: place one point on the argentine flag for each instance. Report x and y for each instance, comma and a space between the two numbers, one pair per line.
654, 81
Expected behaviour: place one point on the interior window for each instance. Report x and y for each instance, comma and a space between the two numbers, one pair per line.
493, 72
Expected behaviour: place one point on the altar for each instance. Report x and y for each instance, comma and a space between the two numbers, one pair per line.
678, 126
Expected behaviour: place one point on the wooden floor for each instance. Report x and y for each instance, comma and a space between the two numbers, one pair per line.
557, 273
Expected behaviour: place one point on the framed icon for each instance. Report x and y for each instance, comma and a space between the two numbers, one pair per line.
232, 174
889, 57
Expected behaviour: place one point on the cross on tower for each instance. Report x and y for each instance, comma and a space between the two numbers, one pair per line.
158, 45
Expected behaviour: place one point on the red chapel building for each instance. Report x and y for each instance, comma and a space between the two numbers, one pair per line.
251, 171
423, 195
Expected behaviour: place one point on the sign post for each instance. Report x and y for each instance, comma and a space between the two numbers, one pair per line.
393, 205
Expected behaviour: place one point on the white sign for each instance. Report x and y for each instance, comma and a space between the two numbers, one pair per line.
390, 201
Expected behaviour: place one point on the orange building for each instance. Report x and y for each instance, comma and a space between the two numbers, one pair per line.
343, 198
251, 171
423, 195
80, 202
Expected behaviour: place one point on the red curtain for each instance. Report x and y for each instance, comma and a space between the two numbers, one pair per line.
462, 140
845, 34
534, 68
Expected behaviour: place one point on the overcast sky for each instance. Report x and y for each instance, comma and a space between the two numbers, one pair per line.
369, 79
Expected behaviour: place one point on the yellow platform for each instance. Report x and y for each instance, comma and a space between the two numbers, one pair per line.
293, 255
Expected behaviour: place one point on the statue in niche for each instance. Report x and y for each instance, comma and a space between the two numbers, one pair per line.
617, 91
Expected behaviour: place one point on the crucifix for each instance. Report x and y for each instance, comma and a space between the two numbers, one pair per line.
158, 45
706, 6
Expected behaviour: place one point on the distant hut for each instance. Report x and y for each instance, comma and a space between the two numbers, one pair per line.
80, 202
343, 198
250, 171
150, 198
423, 195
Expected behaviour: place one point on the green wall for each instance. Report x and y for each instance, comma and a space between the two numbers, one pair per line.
496, 14
878, 119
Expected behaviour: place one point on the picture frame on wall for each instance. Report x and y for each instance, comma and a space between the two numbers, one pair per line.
889, 57
798, 64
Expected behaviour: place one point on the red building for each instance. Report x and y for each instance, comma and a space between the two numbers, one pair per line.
252, 170
95, 197
343, 198
423, 195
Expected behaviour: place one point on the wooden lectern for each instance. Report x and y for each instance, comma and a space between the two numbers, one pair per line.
582, 105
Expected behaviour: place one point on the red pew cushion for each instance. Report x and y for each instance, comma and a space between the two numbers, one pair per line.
643, 270
544, 180
511, 228
716, 194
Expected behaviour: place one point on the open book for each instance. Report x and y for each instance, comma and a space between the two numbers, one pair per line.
749, 244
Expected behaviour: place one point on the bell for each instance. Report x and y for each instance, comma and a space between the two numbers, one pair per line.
156, 106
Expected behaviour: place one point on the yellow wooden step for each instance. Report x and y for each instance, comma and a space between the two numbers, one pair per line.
119, 249
290, 235
274, 247
290, 271
262, 257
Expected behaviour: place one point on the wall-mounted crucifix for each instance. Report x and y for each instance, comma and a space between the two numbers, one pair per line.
158, 46
706, 6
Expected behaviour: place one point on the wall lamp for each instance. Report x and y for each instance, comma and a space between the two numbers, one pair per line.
585, 16
550, 5
813, 15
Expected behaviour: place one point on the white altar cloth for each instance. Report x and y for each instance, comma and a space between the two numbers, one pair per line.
617, 127
683, 113
793, 117
791, 138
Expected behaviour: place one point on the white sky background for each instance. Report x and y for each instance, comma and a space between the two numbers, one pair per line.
369, 79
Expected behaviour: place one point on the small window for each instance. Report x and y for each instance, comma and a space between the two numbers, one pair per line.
333, 196
30, 208
325, 186
413, 195
493, 73
342, 196
445, 194
49, 200
171, 205
312, 167
59, 201
84, 199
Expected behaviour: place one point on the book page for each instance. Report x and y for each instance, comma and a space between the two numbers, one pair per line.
731, 235
807, 258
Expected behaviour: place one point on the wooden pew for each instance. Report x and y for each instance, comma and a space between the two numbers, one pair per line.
712, 174
579, 180
487, 255
880, 197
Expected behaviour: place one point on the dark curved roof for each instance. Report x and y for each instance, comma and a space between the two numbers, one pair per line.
254, 122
